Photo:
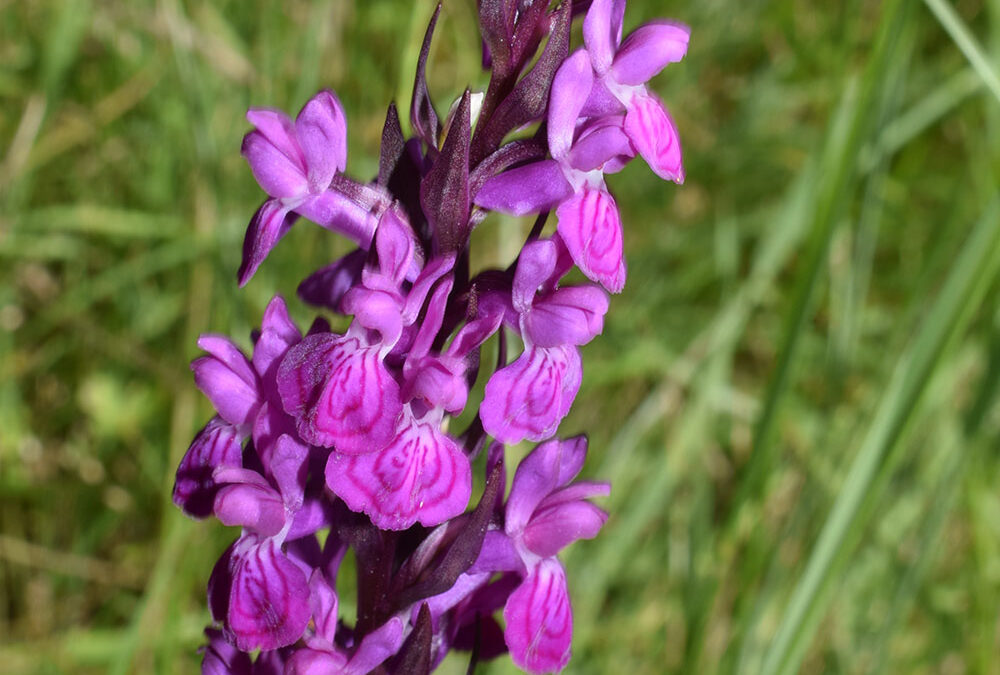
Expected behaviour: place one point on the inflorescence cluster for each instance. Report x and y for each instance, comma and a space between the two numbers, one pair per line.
325, 442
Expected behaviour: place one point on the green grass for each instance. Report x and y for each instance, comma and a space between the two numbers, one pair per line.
795, 397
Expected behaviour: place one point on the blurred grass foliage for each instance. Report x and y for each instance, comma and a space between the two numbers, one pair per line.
795, 397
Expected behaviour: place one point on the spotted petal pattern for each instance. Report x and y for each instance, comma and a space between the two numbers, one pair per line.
421, 476
529, 398
540, 620
269, 601
340, 392
591, 228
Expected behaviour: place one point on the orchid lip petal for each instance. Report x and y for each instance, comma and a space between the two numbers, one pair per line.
591, 228
340, 392
528, 398
421, 476
539, 620
268, 604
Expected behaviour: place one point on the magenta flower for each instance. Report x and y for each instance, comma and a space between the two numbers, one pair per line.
295, 163
528, 398
622, 70
545, 513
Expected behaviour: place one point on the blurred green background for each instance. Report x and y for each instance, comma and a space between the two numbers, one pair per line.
795, 397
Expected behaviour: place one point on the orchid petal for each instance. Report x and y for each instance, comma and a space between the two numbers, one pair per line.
222, 658
552, 529
376, 647
376, 310
323, 603
528, 398
279, 130
531, 188
306, 661
326, 287
268, 603
591, 228
227, 379
655, 137
570, 89
338, 213
540, 475
540, 620
259, 509
340, 393
269, 224
536, 477
602, 146
567, 316
217, 444
440, 381
394, 242
322, 133
534, 267
477, 331
277, 174
648, 50
421, 476
602, 32
433, 318
278, 333
288, 465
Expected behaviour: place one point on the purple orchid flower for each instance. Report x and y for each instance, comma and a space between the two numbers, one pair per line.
295, 162
545, 513
622, 70
243, 393
528, 398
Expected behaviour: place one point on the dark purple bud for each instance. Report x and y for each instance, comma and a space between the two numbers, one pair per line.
528, 100
326, 287
393, 145
444, 193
